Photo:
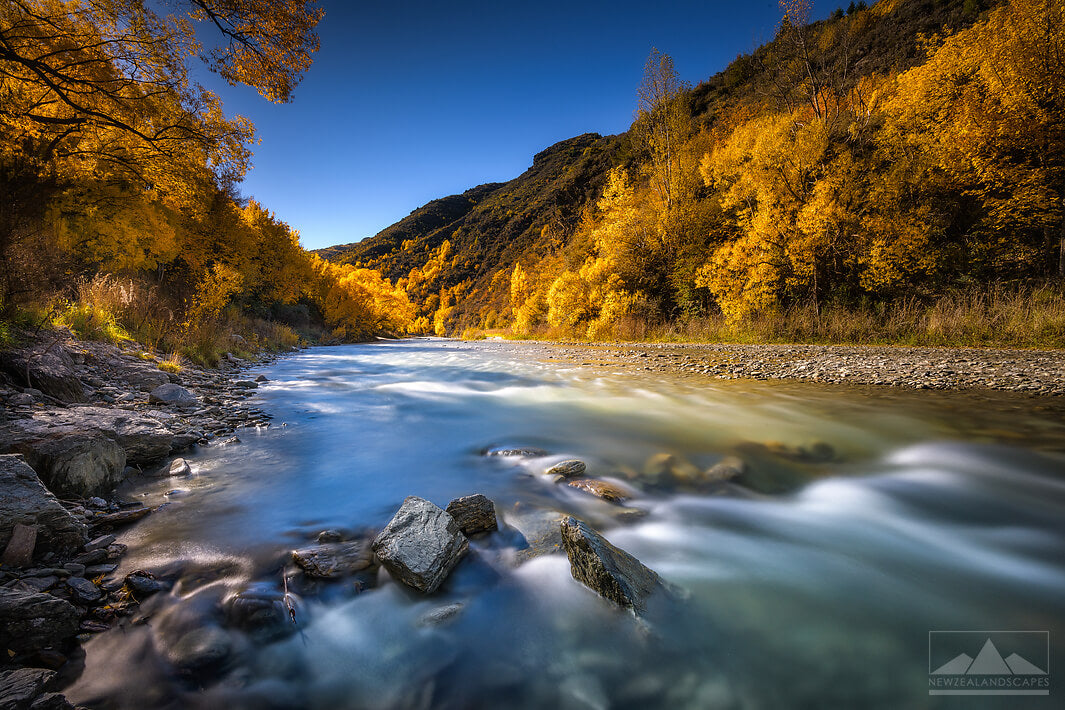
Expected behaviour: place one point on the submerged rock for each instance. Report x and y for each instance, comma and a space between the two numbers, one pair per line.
474, 514
31, 621
567, 469
334, 559
607, 570
206, 648
539, 530
601, 489
516, 453
726, 469
24, 500
261, 613
421, 545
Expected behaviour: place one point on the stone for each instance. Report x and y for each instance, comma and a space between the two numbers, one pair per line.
262, 378
202, 648
19, 550
601, 489
99, 543
330, 536
474, 514
93, 557
31, 621
52, 701
84, 590
260, 613
608, 571
179, 467
516, 453
146, 378
76, 465
246, 384
143, 584
440, 615
172, 394
22, 399
20, 687
24, 500
420, 545
122, 517
726, 469
48, 369
334, 559
669, 470
184, 440
567, 469
143, 438
539, 530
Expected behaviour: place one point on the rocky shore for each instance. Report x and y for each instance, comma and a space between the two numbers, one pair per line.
1037, 372
78, 419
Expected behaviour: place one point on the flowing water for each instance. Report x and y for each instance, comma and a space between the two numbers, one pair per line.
868, 519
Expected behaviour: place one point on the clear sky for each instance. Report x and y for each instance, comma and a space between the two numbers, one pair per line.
411, 100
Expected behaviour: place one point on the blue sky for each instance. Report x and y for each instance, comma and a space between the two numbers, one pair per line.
410, 101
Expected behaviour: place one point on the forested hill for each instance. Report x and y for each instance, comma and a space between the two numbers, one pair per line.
886, 154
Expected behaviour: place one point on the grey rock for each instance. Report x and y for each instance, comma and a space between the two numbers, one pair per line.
334, 559
52, 701
202, 648
146, 378
539, 530
19, 550
84, 590
99, 543
474, 514
260, 613
246, 384
143, 584
330, 536
262, 378
30, 621
142, 438
420, 545
516, 453
440, 615
75, 465
20, 687
607, 570
92, 557
50, 370
170, 393
23, 499
567, 469
35, 584
179, 467
21, 400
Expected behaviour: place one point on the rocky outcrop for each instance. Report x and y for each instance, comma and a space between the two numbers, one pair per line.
21, 687
75, 465
31, 621
172, 394
420, 545
49, 369
142, 438
23, 499
607, 570
334, 559
474, 514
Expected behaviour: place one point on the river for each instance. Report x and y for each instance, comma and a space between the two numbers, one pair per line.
870, 521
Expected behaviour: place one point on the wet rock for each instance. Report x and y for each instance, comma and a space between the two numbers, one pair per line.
20, 687
262, 378
24, 500
567, 469
202, 648
122, 517
144, 584
334, 559
726, 469
179, 467
172, 394
670, 470
29, 621
19, 550
607, 570
420, 545
262, 614
601, 489
246, 384
539, 531
93, 557
816, 452
99, 543
440, 615
330, 536
84, 590
474, 514
49, 369
516, 453
75, 465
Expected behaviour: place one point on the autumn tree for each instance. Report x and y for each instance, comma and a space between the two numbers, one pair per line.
663, 122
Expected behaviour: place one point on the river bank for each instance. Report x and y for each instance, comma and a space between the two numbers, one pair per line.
1038, 372
80, 424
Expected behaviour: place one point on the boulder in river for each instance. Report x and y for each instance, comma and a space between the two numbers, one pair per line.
31, 621
567, 469
172, 394
23, 499
334, 559
474, 514
607, 570
421, 544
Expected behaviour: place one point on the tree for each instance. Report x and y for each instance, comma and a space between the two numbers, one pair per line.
663, 122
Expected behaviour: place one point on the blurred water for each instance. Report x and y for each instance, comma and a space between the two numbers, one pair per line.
814, 583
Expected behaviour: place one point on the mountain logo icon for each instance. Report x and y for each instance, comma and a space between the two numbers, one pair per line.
989, 662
